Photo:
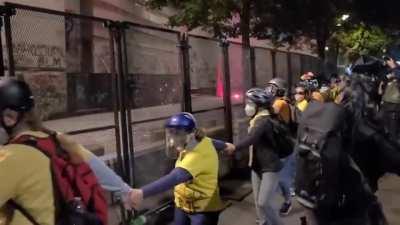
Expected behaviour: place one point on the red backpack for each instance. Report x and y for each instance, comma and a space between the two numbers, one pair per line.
79, 197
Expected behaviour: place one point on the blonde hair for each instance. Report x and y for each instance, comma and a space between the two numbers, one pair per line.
34, 123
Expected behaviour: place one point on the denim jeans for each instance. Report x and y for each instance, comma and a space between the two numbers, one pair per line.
205, 218
286, 176
264, 189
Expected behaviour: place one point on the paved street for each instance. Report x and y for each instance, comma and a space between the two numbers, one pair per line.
243, 213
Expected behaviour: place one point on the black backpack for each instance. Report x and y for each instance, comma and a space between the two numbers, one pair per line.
283, 141
327, 180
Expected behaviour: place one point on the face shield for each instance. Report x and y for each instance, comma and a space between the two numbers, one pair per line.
271, 88
176, 141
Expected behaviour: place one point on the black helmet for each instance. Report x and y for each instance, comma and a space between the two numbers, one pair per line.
259, 96
393, 53
15, 95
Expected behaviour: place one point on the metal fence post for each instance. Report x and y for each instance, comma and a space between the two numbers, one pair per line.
290, 72
6, 13
122, 109
273, 57
253, 67
2, 72
227, 90
114, 79
184, 62
128, 86
125, 110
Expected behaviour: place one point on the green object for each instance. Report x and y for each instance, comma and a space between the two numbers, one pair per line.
361, 39
141, 220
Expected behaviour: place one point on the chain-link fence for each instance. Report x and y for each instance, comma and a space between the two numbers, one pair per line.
68, 62
264, 69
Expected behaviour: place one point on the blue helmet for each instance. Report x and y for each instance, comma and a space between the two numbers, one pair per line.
182, 121
260, 96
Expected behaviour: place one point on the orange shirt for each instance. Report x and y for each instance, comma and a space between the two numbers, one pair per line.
282, 108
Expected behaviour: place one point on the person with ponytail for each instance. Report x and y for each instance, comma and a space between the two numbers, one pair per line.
25, 172
195, 177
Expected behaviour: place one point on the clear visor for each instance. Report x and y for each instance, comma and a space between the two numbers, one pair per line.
175, 141
272, 89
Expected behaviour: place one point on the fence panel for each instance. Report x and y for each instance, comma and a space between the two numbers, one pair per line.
296, 69
264, 68
239, 62
67, 62
282, 65
207, 84
152, 61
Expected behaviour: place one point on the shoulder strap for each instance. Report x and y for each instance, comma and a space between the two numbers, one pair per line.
16, 206
32, 141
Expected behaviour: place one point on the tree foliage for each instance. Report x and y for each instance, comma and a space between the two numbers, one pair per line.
363, 40
285, 21
211, 15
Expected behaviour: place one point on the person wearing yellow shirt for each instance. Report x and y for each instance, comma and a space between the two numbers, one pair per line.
301, 101
25, 173
195, 177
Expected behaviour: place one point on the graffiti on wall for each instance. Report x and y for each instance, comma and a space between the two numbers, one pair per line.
38, 55
50, 92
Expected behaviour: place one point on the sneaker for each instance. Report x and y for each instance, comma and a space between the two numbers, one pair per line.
285, 209
292, 192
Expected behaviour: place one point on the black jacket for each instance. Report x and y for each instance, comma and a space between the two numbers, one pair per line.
265, 157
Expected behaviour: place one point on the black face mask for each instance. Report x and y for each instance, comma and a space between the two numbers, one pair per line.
4, 137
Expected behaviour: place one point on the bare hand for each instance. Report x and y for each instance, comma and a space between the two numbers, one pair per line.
136, 198
230, 148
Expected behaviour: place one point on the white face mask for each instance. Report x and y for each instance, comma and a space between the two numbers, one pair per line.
250, 110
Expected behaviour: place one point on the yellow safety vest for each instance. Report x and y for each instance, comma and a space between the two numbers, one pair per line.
201, 194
